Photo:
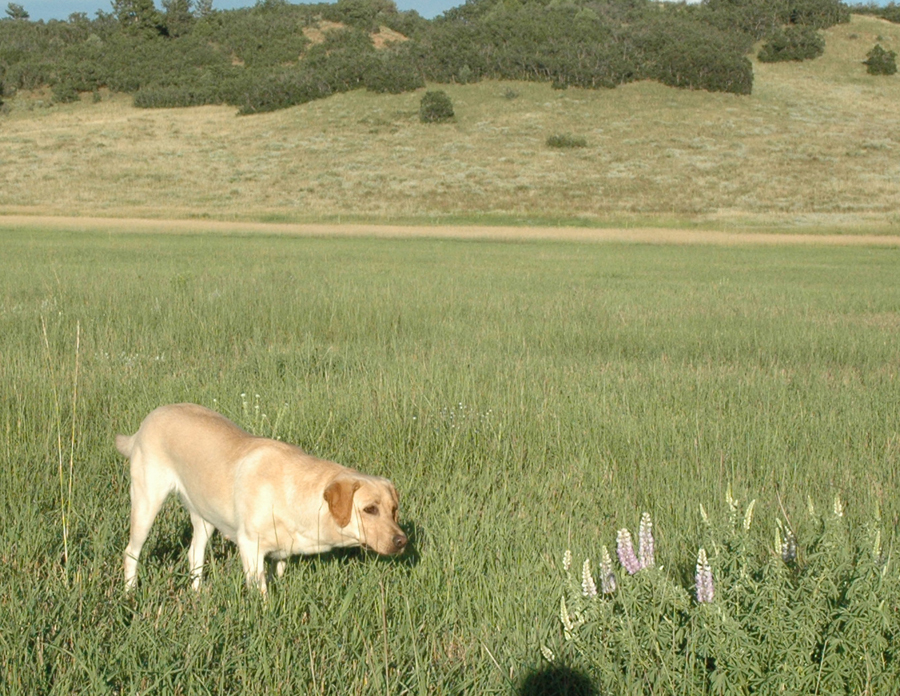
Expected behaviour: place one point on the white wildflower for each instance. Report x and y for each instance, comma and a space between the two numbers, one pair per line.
588, 586
607, 574
748, 516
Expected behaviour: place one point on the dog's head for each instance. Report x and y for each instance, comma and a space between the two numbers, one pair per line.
365, 508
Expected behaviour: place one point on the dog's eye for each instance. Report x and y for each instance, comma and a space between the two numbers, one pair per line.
371, 510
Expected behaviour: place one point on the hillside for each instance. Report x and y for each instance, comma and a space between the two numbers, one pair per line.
816, 143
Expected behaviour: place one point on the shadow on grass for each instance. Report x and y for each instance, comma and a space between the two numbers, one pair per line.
167, 553
557, 680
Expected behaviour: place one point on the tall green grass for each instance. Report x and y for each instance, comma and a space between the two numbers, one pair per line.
524, 397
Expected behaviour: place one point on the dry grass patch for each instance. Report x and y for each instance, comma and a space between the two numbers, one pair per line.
816, 143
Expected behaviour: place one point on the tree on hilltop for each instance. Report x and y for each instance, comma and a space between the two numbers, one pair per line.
15, 11
179, 16
138, 17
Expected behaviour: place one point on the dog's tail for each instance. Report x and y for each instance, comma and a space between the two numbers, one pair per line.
125, 444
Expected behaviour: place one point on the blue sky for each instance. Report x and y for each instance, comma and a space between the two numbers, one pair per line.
61, 9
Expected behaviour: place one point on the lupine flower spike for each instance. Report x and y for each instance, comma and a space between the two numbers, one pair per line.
748, 516
625, 551
588, 586
789, 550
645, 539
607, 575
704, 579
567, 560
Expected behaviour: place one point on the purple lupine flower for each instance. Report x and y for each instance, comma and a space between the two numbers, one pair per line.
607, 575
645, 539
625, 551
704, 579
588, 586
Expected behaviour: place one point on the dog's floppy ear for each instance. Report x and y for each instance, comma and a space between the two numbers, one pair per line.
339, 496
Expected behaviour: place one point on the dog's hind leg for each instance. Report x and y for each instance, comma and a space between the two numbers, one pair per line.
148, 493
202, 532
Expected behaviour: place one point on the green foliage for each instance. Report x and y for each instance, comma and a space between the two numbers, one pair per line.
435, 107
880, 61
566, 140
166, 54
793, 43
139, 18
16, 12
682, 52
816, 613
890, 12
394, 70
65, 92
367, 15
262, 36
178, 17
820, 14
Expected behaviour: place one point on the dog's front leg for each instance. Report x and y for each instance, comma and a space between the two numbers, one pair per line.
254, 560
202, 532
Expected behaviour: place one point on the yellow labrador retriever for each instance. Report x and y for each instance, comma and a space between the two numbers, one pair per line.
269, 497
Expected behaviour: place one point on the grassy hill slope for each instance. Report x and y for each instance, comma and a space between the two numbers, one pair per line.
815, 144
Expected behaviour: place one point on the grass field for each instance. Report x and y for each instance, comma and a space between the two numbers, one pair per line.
814, 146
525, 398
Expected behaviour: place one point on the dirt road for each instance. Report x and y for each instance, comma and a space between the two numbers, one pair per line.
639, 235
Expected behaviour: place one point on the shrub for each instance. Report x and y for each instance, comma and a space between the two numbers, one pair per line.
393, 71
813, 617
794, 43
681, 52
170, 97
273, 92
880, 61
565, 140
820, 14
65, 93
435, 107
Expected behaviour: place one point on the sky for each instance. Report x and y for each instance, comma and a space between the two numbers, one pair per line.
61, 9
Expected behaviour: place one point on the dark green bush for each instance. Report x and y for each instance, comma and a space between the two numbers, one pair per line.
820, 14
179, 57
881, 62
435, 107
890, 12
268, 92
682, 52
170, 97
393, 71
792, 43
65, 93
367, 15
566, 140
265, 35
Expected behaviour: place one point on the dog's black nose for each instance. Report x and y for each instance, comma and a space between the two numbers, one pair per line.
400, 541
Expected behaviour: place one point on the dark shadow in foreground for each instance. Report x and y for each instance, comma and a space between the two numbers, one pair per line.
557, 680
